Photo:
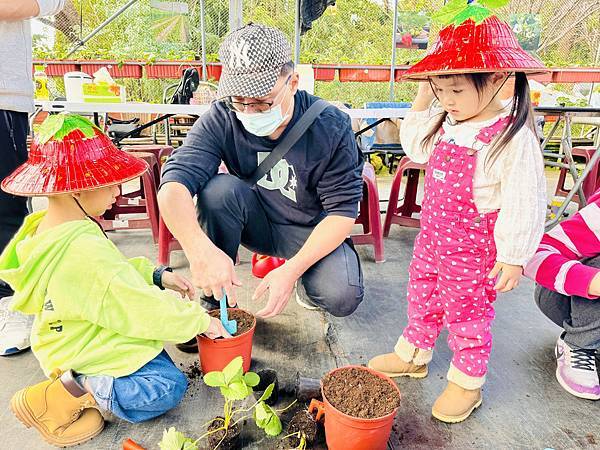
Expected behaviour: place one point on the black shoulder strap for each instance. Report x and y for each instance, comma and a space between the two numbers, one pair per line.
288, 141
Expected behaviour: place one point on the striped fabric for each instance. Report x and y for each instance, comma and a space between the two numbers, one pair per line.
556, 264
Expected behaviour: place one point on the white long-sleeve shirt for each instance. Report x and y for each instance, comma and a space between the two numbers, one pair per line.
16, 81
514, 185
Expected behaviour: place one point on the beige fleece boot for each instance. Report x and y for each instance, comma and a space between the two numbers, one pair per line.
392, 365
455, 404
62, 418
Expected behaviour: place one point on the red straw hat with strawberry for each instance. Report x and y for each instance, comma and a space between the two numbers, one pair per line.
473, 40
71, 154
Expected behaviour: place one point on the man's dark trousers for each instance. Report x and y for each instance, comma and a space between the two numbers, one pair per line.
230, 212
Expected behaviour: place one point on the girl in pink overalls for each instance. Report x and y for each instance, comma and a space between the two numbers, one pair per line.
483, 209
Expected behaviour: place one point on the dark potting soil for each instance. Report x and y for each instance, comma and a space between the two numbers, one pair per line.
244, 320
359, 393
304, 423
231, 440
193, 371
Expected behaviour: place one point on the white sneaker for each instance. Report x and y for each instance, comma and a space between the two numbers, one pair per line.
576, 370
15, 329
302, 299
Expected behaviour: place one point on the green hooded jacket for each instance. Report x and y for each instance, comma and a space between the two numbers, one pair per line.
96, 312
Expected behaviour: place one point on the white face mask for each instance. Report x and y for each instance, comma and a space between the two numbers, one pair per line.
262, 124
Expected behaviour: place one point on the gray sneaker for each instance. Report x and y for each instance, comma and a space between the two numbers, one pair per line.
15, 329
576, 370
303, 299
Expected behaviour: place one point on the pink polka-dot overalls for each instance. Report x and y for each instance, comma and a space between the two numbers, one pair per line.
453, 254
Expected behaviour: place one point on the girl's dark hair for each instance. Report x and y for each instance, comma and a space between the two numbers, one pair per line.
521, 113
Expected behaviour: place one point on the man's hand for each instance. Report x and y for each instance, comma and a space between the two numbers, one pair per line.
510, 276
179, 284
216, 329
216, 274
280, 284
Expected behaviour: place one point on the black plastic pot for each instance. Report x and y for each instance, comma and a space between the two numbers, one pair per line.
267, 376
232, 436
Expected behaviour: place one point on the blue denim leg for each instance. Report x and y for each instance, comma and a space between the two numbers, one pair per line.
153, 390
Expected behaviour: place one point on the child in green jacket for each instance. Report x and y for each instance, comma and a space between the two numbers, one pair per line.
100, 319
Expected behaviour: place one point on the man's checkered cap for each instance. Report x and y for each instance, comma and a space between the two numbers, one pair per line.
252, 57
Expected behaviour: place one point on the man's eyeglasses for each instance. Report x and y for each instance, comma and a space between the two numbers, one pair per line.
260, 107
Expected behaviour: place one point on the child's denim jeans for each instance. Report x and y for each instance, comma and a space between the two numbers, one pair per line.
153, 390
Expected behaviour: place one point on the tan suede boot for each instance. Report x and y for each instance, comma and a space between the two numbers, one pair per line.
393, 366
455, 404
62, 418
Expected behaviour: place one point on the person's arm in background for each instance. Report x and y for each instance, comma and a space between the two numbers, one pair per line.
14, 10
557, 265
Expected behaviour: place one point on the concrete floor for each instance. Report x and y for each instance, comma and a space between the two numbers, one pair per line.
524, 407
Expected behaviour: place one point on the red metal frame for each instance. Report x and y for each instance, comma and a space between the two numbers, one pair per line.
591, 182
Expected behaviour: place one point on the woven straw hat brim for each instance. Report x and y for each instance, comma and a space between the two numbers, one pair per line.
73, 165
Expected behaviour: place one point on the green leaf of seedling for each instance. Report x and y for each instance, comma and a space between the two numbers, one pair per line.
261, 415
233, 371
267, 393
175, 440
235, 391
214, 379
189, 444
251, 379
266, 418
274, 427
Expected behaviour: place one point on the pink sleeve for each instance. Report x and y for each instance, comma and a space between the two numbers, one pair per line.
556, 264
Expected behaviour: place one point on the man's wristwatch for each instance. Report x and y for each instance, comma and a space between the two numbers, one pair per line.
157, 275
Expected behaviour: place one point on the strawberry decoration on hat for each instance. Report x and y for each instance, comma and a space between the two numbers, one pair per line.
71, 154
473, 40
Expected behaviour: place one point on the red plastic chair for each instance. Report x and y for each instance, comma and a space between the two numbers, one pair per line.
116, 218
369, 216
402, 214
167, 242
159, 151
591, 182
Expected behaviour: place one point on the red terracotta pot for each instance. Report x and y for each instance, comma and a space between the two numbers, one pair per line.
213, 71
125, 70
366, 74
58, 68
215, 354
344, 432
158, 70
322, 74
